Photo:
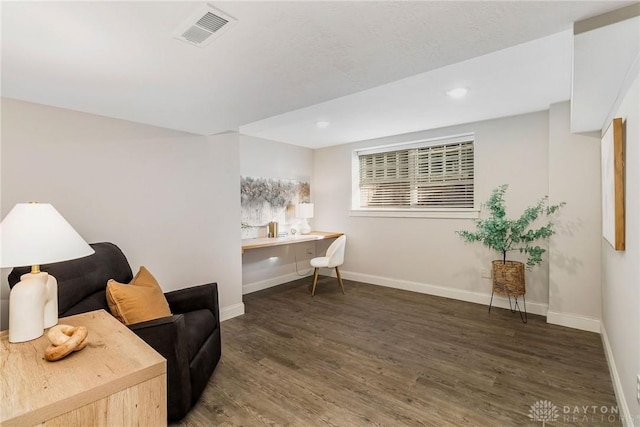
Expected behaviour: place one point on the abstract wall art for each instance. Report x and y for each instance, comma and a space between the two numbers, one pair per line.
263, 200
612, 172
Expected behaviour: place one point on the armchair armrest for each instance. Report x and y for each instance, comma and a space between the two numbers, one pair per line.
168, 336
203, 297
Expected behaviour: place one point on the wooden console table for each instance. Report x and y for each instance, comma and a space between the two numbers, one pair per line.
116, 380
265, 242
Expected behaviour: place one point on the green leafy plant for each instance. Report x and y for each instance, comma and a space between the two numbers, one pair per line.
502, 234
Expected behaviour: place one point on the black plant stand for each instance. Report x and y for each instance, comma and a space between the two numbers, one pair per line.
514, 307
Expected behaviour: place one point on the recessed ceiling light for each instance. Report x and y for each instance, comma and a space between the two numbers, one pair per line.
458, 92
321, 124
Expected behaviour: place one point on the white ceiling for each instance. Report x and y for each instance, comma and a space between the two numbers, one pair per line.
520, 79
118, 59
602, 60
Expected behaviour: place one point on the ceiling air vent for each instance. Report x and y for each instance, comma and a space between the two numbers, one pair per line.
204, 26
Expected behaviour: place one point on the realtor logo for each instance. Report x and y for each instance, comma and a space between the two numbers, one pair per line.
545, 411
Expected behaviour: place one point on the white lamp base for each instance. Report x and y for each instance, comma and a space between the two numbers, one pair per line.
304, 227
33, 306
51, 304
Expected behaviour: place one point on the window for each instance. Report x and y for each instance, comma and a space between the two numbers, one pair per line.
425, 175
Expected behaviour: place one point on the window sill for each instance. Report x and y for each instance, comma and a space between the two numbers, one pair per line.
394, 213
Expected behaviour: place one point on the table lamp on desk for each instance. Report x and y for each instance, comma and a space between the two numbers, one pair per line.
34, 234
304, 211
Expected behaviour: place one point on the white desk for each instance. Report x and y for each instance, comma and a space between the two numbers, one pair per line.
265, 242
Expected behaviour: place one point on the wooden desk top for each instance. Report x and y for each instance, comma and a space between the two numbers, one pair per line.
34, 390
265, 242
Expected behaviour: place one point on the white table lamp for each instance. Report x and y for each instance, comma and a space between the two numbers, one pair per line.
34, 234
304, 211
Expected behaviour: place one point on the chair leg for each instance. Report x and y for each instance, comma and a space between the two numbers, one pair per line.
340, 279
315, 281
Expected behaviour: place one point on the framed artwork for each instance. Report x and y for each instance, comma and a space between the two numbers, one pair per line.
612, 169
263, 200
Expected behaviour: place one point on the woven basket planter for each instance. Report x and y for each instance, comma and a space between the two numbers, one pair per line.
508, 278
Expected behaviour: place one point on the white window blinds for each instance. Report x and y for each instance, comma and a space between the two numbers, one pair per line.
421, 176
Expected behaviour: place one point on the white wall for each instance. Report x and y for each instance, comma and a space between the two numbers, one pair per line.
574, 254
263, 268
426, 255
166, 198
271, 159
621, 269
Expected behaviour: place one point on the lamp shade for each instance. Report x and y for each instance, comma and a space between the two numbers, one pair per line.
304, 210
35, 233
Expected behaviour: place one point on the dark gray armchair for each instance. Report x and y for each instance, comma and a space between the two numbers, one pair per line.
189, 340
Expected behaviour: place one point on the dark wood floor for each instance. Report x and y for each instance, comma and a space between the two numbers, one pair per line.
385, 357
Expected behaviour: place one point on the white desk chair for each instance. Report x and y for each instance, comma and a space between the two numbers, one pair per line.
332, 259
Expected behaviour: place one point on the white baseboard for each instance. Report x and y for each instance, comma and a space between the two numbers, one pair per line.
574, 321
273, 281
625, 413
458, 294
232, 311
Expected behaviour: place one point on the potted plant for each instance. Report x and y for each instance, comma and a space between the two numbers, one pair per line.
502, 234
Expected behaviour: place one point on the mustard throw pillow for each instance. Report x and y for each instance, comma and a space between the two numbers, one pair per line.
142, 299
